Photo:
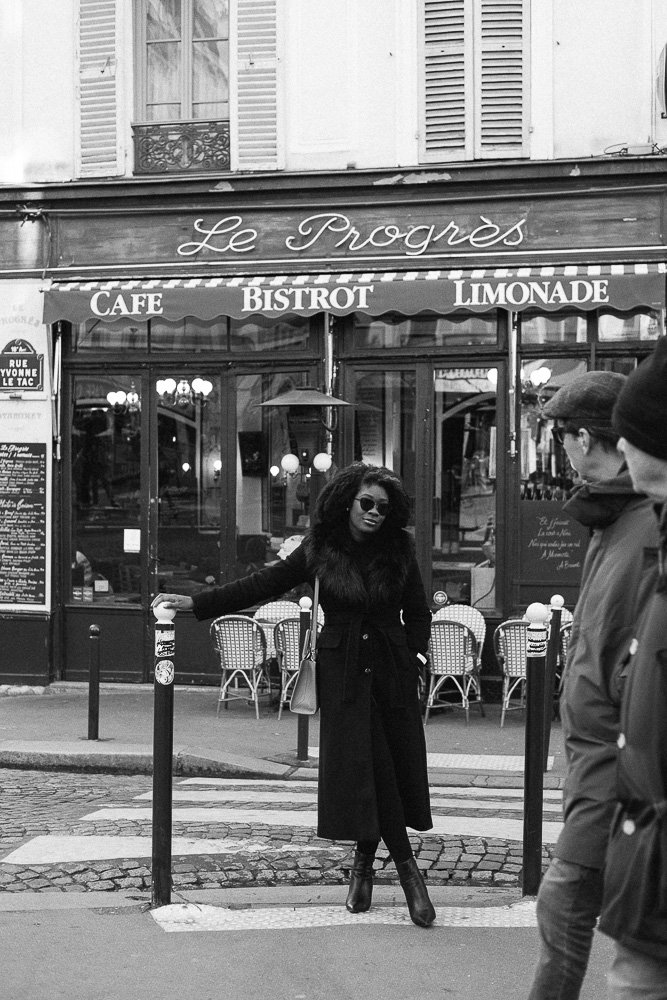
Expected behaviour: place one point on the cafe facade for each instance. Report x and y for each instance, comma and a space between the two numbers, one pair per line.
151, 329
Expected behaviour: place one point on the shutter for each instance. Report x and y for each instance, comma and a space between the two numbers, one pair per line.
444, 84
98, 118
500, 78
257, 85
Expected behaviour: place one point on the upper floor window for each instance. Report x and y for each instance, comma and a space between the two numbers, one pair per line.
184, 57
474, 79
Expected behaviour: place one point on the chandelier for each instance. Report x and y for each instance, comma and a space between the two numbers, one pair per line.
183, 393
125, 402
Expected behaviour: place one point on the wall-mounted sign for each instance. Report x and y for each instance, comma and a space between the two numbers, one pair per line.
23, 539
21, 367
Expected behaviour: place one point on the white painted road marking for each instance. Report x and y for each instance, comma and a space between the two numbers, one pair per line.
438, 799
54, 849
188, 917
471, 826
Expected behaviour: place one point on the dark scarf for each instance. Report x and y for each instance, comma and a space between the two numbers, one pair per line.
360, 574
597, 505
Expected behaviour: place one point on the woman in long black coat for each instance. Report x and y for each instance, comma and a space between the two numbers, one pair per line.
373, 779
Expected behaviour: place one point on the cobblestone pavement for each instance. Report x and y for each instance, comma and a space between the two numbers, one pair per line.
53, 804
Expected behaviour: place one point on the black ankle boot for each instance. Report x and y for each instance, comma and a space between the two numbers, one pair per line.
361, 883
419, 905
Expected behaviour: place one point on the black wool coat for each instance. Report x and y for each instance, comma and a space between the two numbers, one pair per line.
376, 621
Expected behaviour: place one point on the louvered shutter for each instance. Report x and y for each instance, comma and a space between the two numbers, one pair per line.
474, 81
98, 113
445, 113
500, 78
257, 85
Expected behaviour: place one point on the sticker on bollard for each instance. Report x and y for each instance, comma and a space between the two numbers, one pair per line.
165, 641
536, 642
164, 672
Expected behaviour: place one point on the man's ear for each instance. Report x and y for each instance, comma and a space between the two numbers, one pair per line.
585, 439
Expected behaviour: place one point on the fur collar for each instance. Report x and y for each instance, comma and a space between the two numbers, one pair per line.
366, 575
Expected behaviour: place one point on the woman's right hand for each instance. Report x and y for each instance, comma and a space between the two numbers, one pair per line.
181, 602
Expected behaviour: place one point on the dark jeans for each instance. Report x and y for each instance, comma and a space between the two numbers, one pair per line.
636, 976
568, 905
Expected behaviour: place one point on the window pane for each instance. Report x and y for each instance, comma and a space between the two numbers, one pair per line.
464, 504
210, 82
395, 330
553, 328
385, 423
163, 19
259, 334
211, 19
106, 496
189, 334
271, 507
641, 324
96, 335
190, 486
164, 72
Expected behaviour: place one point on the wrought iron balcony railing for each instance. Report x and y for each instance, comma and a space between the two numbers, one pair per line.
181, 147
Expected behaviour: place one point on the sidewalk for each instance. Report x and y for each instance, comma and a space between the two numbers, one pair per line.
46, 728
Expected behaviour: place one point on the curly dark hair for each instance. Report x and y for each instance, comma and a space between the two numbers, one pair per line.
334, 502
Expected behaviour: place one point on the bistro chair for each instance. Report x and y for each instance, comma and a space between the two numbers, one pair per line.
476, 622
269, 614
509, 643
241, 645
454, 659
286, 640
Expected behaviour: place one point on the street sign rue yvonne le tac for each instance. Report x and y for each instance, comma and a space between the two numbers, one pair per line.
21, 368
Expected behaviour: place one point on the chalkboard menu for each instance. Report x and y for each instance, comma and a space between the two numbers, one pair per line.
552, 545
22, 523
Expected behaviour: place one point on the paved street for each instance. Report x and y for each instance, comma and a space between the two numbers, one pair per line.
76, 832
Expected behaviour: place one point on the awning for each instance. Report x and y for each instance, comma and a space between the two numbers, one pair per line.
615, 286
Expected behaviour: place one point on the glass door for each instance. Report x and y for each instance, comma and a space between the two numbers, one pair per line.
464, 493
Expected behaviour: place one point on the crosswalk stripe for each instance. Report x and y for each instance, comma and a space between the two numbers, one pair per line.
52, 849
475, 826
437, 800
472, 791
188, 917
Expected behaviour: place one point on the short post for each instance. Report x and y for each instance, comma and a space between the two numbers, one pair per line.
553, 646
163, 745
533, 787
94, 683
305, 605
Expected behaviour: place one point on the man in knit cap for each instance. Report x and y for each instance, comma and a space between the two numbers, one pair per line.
614, 582
634, 909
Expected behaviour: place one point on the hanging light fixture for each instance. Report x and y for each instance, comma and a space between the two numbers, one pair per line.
182, 393
125, 402
306, 422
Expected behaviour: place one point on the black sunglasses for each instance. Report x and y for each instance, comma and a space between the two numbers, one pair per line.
367, 503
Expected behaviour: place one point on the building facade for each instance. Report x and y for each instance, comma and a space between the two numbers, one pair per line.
440, 260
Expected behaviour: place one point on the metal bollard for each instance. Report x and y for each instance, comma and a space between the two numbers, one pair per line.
163, 746
533, 784
553, 646
305, 604
94, 683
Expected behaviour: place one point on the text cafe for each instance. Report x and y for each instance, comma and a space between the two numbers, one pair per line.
216, 367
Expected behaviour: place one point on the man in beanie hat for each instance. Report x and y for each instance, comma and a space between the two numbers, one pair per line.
634, 908
613, 582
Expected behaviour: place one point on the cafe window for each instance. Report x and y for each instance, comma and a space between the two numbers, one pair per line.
639, 324
105, 491
553, 328
392, 331
190, 335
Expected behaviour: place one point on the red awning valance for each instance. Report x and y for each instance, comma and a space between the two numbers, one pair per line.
550, 289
